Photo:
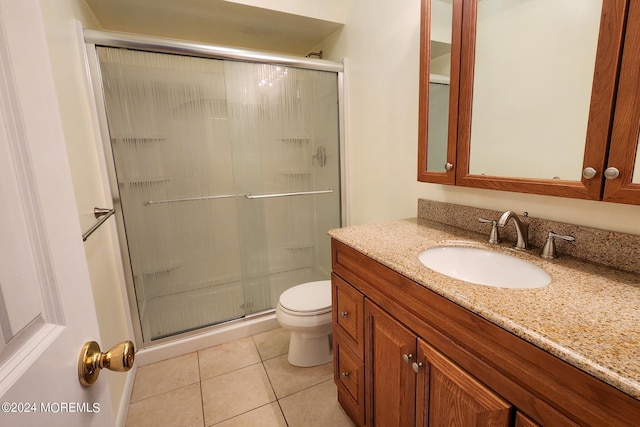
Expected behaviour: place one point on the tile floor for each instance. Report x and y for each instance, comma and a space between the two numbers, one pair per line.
238, 384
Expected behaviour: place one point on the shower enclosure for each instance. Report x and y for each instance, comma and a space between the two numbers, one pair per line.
227, 178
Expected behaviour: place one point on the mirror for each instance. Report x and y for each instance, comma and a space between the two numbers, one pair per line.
439, 83
532, 85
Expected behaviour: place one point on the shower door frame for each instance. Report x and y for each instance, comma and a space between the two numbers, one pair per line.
94, 39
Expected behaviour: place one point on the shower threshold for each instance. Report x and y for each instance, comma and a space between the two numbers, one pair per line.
211, 327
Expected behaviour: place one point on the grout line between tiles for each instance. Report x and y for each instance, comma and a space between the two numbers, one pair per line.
304, 389
234, 370
246, 412
284, 417
204, 421
269, 378
163, 393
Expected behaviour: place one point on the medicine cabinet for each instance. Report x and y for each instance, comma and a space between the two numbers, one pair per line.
538, 97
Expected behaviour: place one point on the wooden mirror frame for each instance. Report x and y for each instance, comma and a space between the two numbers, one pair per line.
441, 177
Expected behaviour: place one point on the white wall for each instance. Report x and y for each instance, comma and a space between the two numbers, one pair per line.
76, 106
381, 43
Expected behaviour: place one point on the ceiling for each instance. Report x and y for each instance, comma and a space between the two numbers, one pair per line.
214, 21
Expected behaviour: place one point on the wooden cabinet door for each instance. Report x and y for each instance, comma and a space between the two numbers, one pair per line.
449, 396
624, 152
390, 382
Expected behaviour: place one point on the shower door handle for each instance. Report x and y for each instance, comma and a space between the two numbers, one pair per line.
297, 193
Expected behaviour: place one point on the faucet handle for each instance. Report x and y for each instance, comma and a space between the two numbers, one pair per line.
494, 235
549, 249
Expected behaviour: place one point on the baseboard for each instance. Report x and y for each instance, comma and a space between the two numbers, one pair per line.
123, 409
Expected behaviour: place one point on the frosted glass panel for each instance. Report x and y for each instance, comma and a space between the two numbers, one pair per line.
193, 141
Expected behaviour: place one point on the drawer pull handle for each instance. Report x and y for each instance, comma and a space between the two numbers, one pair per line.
407, 358
344, 314
417, 366
345, 375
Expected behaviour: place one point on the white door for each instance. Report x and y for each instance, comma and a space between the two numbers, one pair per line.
46, 305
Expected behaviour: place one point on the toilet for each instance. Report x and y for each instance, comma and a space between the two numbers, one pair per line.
305, 310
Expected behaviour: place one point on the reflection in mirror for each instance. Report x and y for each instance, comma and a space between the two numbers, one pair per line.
534, 68
438, 121
440, 70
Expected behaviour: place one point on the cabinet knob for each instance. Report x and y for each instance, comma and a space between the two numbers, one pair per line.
589, 172
611, 173
448, 166
407, 358
344, 314
417, 366
345, 374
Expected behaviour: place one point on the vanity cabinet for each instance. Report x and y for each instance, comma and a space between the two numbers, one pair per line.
469, 371
411, 383
591, 130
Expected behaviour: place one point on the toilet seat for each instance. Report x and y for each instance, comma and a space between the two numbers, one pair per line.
307, 299
304, 313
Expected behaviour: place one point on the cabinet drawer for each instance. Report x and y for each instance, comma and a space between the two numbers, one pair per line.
348, 315
349, 377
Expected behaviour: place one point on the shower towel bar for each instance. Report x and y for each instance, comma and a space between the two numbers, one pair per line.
189, 199
103, 214
299, 193
247, 196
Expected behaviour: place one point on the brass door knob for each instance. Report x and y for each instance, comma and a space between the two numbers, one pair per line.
119, 358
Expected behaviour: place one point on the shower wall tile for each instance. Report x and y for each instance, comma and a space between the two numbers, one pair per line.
160, 377
226, 358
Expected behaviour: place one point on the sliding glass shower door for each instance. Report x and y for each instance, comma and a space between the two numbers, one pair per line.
228, 177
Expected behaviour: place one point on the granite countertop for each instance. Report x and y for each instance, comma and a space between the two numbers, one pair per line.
588, 316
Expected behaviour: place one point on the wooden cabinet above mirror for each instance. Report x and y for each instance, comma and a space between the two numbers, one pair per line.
532, 103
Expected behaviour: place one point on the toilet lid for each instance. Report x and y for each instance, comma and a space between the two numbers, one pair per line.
307, 297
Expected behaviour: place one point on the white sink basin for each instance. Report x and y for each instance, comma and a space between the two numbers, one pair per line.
484, 267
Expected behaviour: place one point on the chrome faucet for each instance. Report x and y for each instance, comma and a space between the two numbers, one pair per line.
522, 229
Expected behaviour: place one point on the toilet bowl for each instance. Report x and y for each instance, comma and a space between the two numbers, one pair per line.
305, 310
